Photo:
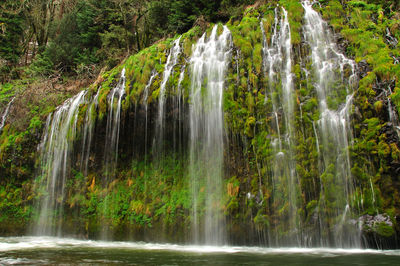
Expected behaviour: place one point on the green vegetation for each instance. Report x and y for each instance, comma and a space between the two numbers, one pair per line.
77, 38
372, 155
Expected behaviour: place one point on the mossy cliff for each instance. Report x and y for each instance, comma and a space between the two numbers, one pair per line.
149, 197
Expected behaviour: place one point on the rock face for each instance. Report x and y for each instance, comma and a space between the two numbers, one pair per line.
363, 68
276, 129
379, 229
371, 223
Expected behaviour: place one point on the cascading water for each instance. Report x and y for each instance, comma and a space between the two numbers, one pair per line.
208, 66
55, 150
146, 106
178, 107
5, 114
392, 113
277, 63
89, 123
172, 60
114, 98
335, 205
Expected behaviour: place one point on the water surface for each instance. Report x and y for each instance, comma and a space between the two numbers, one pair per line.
56, 251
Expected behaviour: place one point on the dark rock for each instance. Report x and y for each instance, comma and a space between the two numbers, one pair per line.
363, 68
391, 134
396, 169
369, 222
342, 43
378, 231
357, 113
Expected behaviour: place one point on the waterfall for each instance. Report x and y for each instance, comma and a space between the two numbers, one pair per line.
146, 107
5, 114
168, 70
178, 111
277, 64
114, 99
208, 66
329, 66
56, 152
89, 123
55, 149
392, 113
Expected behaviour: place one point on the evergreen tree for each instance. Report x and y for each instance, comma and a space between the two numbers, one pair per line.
11, 34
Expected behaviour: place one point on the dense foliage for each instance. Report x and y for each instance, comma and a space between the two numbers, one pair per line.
75, 37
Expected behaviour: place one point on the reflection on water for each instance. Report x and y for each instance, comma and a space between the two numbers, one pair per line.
51, 251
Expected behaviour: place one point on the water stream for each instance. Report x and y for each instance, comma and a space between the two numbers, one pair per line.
330, 69
277, 63
208, 66
393, 117
114, 99
88, 131
172, 60
55, 150
5, 113
146, 107
178, 103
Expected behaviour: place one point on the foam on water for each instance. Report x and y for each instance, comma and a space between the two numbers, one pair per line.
24, 243
20, 261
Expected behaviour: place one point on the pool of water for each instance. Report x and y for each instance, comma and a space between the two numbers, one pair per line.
64, 251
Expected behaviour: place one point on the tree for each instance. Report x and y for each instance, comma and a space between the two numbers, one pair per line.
11, 34
40, 15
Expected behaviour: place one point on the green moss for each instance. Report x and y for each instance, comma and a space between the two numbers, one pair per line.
311, 104
257, 57
250, 122
35, 124
384, 230
6, 92
395, 152
378, 106
15, 204
295, 17
261, 220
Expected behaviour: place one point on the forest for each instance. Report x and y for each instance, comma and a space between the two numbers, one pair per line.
71, 38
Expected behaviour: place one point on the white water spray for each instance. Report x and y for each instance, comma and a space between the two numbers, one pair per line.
277, 64
334, 131
208, 66
172, 60
55, 150
5, 114
114, 99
